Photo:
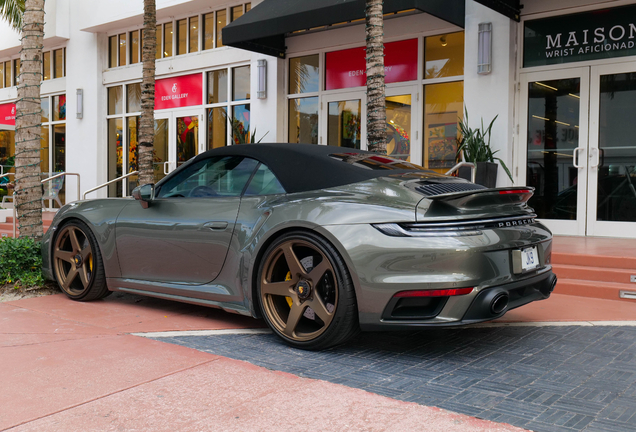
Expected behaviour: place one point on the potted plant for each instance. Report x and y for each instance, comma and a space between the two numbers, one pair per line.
475, 146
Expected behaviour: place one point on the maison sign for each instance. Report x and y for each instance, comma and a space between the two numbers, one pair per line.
584, 36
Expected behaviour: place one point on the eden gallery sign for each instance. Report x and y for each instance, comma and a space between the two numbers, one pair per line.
347, 68
7, 114
583, 36
181, 91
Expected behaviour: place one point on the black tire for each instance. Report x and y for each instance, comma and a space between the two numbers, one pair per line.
309, 308
77, 263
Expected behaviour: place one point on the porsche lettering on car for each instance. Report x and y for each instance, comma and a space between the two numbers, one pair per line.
321, 242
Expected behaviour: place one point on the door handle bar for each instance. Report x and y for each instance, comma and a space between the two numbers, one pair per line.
575, 158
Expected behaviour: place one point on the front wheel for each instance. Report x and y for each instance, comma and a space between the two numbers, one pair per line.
305, 292
77, 263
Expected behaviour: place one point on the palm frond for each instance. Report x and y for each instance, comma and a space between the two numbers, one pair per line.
11, 11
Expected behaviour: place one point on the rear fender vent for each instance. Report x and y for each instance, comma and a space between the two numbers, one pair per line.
433, 189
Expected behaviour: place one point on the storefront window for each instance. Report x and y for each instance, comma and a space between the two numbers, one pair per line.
123, 144
160, 152
46, 65
219, 107
217, 127
7, 159
16, 70
115, 100
193, 34
241, 83
112, 51
58, 63
208, 31
443, 108
221, 22
303, 74
122, 49
134, 46
237, 12
217, 86
159, 35
53, 147
167, 40
398, 127
444, 55
303, 120
182, 35
2, 75
59, 107
133, 98
343, 128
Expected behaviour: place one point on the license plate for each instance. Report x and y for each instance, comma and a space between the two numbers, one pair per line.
529, 258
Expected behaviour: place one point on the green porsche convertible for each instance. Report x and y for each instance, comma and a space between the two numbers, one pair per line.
319, 241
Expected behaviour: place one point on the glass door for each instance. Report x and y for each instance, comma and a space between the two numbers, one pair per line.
187, 134
554, 147
612, 175
401, 113
345, 124
161, 162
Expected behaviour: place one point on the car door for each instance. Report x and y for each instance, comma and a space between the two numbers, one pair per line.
184, 234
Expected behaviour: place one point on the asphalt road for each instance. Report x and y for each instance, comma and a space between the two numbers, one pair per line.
553, 378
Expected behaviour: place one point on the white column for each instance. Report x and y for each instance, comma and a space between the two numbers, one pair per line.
86, 142
487, 96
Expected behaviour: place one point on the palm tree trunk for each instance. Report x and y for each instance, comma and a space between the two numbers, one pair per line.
28, 123
376, 99
147, 123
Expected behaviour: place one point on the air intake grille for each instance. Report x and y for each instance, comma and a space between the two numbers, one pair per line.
444, 188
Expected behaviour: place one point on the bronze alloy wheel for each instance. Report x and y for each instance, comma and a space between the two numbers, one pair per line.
301, 289
77, 264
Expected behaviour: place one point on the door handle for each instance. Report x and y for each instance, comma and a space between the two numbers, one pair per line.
574, 157
598, 157
217, 226
165, 168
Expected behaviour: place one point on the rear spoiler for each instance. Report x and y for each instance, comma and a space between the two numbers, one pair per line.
480, 201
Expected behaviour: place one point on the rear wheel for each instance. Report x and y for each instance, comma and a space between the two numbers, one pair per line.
306, 293
77, 263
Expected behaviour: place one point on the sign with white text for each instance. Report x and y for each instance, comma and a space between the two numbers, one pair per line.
7, 114
347, 68
181, 91
583, 36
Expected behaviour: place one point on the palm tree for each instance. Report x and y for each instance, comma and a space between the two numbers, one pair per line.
11, 11
376, 99
28, 123
147, 122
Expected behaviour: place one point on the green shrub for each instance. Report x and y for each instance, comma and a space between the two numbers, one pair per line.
20, 262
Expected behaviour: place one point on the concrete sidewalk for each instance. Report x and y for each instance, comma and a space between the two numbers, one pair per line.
74, 366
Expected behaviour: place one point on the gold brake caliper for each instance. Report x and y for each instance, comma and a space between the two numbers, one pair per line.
290, 302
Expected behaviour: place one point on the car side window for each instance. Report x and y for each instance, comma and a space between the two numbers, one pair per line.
264, 182
216, 176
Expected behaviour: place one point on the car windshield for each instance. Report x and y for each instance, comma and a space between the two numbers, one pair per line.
376, 162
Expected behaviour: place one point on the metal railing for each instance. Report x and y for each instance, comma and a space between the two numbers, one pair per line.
53, 177
118, 179
46, 180
462, 164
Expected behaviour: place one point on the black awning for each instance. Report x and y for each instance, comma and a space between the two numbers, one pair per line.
509, 8
263, 28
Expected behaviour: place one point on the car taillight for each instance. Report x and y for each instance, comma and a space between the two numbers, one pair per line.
514, 191
435, 293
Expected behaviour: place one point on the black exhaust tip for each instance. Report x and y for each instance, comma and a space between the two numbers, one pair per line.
547, 287
499, 304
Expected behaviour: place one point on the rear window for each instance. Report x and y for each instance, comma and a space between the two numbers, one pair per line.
375, 162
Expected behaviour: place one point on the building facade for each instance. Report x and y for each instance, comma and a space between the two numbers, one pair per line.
559, 76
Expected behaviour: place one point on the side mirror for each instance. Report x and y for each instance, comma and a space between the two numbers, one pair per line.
145, 194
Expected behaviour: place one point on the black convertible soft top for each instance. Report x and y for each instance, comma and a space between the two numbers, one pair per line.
307, 167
